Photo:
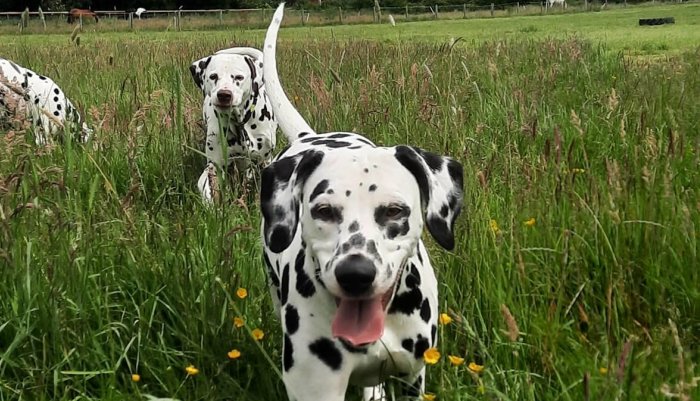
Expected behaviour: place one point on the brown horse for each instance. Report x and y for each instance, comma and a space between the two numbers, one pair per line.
75, 13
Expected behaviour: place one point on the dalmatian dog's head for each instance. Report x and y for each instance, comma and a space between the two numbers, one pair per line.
361, 214
229, 77
360, 208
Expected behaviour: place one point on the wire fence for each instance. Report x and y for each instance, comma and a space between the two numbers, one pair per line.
57, 21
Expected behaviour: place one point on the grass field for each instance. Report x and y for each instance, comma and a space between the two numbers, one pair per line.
581, 220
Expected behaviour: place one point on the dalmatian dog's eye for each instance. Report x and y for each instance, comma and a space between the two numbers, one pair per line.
214, 77
326, 213
385, 214
238, 78
394, 212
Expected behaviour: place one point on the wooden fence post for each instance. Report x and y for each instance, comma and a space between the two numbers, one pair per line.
340, 14
262, 14
436, 11
302, 17
492, 7
541, 7
464, 11
221, 17
517, 8
406, 12
131, 21
178, 16
81, 21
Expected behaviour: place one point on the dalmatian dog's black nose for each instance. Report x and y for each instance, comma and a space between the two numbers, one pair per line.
224, 96
355, 275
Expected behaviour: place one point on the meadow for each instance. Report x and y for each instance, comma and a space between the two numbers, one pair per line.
575, 271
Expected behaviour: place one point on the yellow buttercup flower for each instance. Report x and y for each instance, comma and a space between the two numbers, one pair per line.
241, 293
429, 396
494, 226
135, 378
238, 321
476, 368
234, 354
431, 356
455, 360
191, 370
445, 319
530, 222
578, 171
258, 334
603, 371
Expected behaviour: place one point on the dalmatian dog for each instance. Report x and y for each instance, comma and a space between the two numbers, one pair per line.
350, 277
41, 100
241, 128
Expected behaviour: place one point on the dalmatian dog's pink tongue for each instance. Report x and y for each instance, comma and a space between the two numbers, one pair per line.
359, 321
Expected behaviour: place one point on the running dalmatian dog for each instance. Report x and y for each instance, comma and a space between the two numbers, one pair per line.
350, 277
43, 102
236, 108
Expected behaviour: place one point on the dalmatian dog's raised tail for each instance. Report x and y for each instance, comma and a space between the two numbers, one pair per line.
350, 277
292, 123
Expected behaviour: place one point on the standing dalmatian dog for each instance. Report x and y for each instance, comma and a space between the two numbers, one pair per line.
44, 103
241, 128
350, 277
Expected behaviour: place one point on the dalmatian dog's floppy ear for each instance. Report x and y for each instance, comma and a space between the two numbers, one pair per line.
197, 69
440, 181
281, 194
254, 58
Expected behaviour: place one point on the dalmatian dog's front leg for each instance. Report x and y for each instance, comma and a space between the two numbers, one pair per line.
314, 367
213, 150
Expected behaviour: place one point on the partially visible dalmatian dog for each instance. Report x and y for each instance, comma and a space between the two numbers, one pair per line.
350, 277
241, 127
44, 103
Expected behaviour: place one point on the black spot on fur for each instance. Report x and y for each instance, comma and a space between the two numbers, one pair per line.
347, 193
433, 335
321, 187
372, 250
338, 136
56, 113
421, 346
305, 287
288, 358
406, 302
55, 98
331, 143
372, 188
354, 226
326, 350
56, 91
265, 113
407, 344
291, 319
394, 230
413, 278
425, 310
284, 290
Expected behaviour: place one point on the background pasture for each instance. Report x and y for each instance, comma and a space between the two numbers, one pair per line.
581, 154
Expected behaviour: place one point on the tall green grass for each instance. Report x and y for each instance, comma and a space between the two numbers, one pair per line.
111, 265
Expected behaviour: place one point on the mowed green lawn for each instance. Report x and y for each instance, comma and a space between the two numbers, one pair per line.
575, 272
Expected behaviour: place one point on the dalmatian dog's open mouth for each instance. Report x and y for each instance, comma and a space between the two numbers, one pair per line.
359, 321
